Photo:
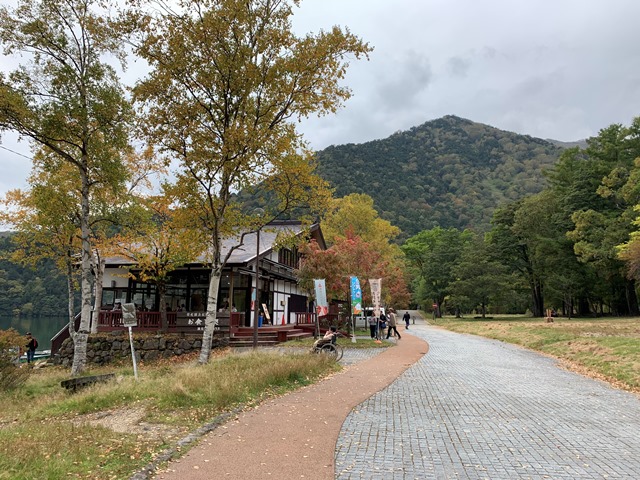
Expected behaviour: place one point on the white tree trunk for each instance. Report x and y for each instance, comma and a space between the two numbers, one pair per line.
71, 305
97, 298
80, 344
212, 314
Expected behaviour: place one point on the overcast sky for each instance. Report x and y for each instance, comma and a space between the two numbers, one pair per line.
560, 69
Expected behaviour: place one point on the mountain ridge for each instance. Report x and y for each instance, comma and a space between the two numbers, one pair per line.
448, 172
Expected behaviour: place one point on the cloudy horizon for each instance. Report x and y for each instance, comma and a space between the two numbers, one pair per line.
553, 70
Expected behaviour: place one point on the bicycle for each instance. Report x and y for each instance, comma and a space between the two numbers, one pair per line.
331, 349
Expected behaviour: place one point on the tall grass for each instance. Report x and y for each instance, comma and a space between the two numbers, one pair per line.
43, 433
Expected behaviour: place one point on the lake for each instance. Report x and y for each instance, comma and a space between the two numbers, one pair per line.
43, 328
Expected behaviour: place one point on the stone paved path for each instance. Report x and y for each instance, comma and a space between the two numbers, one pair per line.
480, 409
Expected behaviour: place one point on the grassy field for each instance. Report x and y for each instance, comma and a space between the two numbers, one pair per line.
47, 432
604, 348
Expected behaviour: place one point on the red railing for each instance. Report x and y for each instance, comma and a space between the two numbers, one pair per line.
305, 318
110, 320
308, 319
151, 321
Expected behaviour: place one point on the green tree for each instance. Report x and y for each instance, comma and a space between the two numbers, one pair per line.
479, 279
67, 100
509, 241
228, 80
433, 254
603, 225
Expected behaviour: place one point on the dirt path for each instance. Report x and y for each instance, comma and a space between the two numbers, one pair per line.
294, 436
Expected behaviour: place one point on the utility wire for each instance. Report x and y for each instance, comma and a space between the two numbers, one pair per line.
13, 151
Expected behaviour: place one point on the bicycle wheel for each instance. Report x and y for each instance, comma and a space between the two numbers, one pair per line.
330, 350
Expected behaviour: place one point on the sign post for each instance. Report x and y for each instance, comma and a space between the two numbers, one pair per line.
129, 319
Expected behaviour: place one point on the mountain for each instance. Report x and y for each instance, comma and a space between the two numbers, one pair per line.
449, 172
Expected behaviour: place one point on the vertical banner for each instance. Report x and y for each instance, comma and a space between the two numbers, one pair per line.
322, 307
356, 296
376, 287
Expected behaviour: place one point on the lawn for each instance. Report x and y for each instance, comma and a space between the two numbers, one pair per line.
47, 432
604, 348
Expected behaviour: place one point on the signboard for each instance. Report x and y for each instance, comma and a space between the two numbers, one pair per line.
266, 312
194, 320
129, 318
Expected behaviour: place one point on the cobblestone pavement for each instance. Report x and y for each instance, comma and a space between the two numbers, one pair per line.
482, 409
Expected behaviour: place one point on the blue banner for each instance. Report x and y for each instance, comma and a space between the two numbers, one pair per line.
356, 296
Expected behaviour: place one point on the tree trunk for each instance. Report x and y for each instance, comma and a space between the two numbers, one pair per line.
71, 298
97, 299
632, 298
537, 299
80, 345
211, 318
162, 293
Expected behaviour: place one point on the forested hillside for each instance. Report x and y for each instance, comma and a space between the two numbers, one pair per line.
25, 291
449, 172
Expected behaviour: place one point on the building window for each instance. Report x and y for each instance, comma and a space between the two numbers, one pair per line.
290, 258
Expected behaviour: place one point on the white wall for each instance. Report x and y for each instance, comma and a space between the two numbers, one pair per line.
119, 275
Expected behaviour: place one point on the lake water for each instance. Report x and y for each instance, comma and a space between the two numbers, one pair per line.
43, 328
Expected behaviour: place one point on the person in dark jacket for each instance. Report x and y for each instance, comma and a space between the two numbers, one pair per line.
31, 347
406, 317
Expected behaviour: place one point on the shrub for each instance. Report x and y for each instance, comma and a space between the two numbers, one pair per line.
11, 375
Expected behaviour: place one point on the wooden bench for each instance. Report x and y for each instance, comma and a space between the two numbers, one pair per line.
80, 382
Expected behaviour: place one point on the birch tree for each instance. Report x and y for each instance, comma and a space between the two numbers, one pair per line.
66, 99
228, 81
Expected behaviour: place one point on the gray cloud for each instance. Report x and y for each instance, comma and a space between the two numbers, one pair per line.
550, 69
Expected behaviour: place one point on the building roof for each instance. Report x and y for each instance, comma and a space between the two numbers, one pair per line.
246, 253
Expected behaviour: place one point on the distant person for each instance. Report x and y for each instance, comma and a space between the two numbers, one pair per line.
391, 318
406, 317
373, 323
117, 307
382, 324
31, 347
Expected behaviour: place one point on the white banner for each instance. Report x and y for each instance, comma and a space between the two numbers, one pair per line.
322, 307
376, 287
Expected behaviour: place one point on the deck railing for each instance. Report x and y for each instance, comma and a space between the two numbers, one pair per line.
112, 320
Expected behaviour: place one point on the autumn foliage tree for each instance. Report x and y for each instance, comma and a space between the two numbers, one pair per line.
228, 81
352, 256
157, 246
67, 100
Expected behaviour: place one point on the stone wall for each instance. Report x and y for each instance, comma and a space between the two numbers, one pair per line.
104, 348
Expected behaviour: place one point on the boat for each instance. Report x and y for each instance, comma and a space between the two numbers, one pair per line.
39, 355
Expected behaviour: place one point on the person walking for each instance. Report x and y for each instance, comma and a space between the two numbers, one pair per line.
406, 317
391, 321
